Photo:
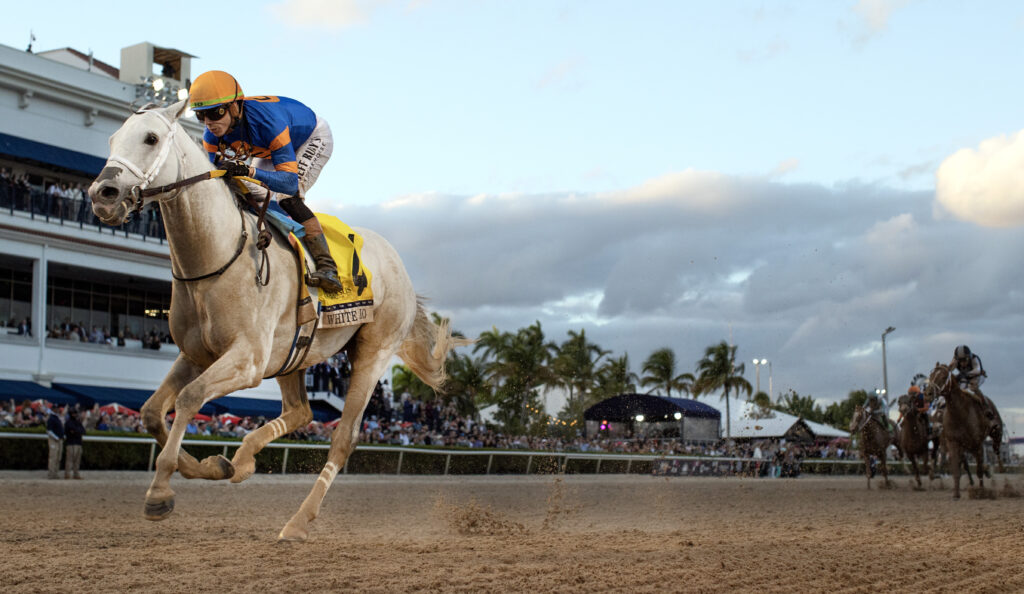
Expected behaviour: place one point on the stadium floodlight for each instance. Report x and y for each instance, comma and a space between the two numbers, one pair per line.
182, 94
678, 415
158, 84
639, 418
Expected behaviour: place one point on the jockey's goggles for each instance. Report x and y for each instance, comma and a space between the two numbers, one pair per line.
213, 113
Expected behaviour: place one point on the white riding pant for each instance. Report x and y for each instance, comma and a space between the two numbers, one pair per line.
310, 157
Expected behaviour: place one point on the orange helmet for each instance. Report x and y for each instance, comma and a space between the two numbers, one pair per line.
914, 390
213, 88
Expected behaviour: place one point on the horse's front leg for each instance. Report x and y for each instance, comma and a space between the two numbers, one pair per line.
917, 471
955, 461
155, 410
237, 370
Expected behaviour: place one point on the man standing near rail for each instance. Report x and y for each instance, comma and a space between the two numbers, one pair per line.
55, 438
73, 431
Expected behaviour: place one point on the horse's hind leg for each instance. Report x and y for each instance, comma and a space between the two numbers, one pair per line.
979, 453
295, 412
367, 367
997, 440
155, 410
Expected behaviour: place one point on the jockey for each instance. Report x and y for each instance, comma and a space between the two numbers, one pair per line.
289, 145
876, 408
971, 375
918, 402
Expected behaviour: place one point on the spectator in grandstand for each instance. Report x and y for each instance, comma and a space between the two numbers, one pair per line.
74, 430
55, 439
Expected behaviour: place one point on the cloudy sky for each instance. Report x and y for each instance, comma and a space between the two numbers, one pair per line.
793, 176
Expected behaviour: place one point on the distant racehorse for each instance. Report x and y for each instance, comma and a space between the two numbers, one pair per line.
232, 330
964, 425
874, 440
940, 457
913, 436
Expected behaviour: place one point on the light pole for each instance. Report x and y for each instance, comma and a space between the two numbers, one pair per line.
757, 367
885, 371
770, 381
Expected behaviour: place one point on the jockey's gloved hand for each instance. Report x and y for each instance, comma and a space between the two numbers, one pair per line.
234, 168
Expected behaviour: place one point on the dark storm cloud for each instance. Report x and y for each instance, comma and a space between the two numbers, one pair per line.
805, 275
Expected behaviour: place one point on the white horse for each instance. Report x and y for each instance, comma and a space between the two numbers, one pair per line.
232, 331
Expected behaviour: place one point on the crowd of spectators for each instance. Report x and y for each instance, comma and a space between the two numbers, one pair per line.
413, 422
102, 335
429, 423
66, 201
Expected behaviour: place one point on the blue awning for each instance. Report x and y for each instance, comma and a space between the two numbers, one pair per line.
624, 407
250, 407
323, 411
14, 146
89, 395
32, 391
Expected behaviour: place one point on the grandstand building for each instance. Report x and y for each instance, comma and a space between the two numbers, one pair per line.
83, 306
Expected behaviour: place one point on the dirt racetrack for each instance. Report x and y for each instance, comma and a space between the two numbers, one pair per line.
536, 534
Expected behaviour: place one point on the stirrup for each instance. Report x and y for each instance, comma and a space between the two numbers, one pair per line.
322, 279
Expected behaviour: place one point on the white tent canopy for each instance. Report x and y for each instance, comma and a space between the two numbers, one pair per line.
749, 421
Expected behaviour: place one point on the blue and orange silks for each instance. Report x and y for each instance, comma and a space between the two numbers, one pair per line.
271, 128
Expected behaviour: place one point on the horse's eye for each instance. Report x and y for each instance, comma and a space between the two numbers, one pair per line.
152, 139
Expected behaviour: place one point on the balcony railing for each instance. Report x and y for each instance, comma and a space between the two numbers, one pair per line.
60, 210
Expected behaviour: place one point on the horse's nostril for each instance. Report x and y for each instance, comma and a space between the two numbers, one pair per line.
110, 192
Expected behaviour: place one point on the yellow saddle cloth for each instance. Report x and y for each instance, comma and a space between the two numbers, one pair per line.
353, 304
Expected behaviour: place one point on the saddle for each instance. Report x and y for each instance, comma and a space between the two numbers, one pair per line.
353, 304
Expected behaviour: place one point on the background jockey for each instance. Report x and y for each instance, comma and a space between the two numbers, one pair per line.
289, 146
970, 373
918, 402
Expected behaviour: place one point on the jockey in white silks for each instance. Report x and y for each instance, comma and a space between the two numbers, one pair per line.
288, 143
971, 374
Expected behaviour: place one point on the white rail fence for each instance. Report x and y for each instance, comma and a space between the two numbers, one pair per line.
702, 465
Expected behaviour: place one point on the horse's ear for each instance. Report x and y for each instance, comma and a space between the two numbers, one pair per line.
175, 110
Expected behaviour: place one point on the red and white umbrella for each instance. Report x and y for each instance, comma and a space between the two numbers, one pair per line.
114, 409
224, 418
333, 424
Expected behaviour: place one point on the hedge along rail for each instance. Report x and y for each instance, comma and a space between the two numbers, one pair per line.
535, 460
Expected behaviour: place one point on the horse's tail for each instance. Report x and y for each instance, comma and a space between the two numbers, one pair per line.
426, 349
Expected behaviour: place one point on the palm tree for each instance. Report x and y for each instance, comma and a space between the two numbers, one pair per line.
574, 367
517, 366
615, 378
404, 380
660, 371
718, 371
467, 384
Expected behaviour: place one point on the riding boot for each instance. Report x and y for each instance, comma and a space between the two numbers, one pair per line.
326, 275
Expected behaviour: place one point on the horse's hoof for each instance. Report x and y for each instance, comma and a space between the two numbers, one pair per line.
226, 467
292, 533
159, 510
243, 470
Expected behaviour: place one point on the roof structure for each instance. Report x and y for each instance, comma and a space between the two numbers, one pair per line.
624, 408
748, 421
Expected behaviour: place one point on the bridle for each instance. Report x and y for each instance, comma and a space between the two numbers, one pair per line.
941, 390
138, 193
